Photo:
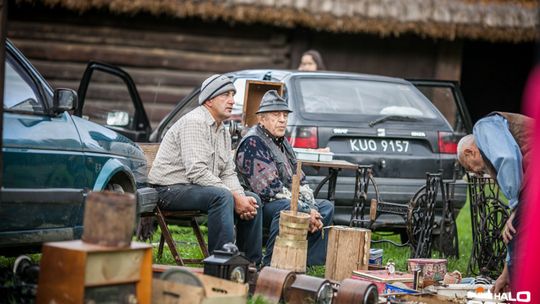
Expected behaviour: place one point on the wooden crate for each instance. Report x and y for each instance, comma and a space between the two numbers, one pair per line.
77, 272
255, 89
213, 291
348, 250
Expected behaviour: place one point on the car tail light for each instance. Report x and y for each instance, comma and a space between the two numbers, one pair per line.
304, 137
447, 143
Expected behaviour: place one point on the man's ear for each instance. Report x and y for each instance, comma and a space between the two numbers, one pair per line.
468, 152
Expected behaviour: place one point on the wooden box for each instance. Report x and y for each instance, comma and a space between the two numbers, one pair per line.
255, 90
348, 250
78, 272
213, 291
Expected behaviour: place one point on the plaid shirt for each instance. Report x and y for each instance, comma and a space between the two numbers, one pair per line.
194, 152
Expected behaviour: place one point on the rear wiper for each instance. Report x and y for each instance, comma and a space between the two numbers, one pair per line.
392, 117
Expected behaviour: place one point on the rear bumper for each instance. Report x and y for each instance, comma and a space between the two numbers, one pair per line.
395, 190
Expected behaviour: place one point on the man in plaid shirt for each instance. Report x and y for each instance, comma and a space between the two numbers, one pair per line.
194, 170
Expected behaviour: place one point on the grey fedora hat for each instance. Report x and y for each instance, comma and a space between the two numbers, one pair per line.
272, 102
214, 86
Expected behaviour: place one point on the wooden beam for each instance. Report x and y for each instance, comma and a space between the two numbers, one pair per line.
138, 57
56, 70
269, 46
118, 91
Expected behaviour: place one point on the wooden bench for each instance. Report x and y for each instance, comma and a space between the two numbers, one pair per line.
150, 207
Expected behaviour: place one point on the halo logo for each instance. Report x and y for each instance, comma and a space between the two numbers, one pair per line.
484, 296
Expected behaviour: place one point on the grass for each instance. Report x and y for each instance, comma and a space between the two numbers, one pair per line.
188, 246
399, 255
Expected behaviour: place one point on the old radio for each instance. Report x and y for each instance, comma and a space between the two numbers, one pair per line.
78, 272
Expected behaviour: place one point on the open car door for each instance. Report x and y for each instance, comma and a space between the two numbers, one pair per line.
447, 97
108, 96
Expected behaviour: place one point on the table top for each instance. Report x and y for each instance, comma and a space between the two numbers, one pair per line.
336, 163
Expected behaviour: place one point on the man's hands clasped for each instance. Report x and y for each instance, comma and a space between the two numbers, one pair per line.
315, 221
245, 206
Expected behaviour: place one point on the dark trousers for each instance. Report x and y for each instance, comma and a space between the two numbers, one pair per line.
316, 244
218, 203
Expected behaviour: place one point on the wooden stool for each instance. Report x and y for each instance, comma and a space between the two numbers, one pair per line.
180, 218
176, 218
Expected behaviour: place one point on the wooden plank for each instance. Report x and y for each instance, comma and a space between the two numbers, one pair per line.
448, 67
295, 188
131, 56
53, 70
267, 45
113, 92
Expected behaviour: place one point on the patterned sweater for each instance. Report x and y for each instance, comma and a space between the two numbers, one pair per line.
257, 168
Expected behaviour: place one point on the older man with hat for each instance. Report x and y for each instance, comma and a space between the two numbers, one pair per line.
194, 170
266, 163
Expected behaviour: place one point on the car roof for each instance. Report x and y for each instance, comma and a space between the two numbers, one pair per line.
282, 75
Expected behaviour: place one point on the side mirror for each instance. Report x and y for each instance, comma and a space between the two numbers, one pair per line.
64, 100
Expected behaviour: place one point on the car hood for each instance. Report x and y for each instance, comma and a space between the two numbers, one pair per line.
98, 139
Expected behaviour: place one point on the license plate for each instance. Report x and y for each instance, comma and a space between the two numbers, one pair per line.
379, 145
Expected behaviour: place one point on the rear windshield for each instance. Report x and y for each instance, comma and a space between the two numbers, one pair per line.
362, 97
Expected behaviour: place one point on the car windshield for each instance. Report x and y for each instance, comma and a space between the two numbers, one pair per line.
363, 97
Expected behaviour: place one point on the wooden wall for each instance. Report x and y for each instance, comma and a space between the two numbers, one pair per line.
165, 64
167, 57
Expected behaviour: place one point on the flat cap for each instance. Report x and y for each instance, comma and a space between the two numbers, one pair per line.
272, 102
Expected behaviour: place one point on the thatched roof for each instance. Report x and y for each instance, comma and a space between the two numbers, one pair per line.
493, 20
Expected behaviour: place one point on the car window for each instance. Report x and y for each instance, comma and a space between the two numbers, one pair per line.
108, 102
363, 97
20, 92
444, 99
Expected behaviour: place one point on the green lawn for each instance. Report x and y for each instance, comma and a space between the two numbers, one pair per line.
400, 255
188, 247
187, 244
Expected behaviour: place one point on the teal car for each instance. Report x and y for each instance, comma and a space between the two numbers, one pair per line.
52, 157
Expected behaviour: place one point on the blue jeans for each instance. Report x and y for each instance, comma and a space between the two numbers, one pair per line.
218, 203
316, 244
